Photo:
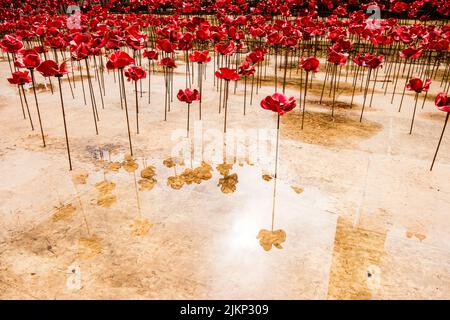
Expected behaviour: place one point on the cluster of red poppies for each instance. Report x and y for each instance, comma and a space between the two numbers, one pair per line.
244, 38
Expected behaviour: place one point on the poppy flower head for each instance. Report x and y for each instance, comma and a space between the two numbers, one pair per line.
56, 43
410, 52
50, 68
200, 56
20, 78
245, 69
227, 74
310, 64
442, 102
165, 45
40, 49
168, 63
373, 61
119, 60
225, 49
135, 73
11, 44
255, 56
150, 54
274, 38
80, 51
359, 60
278, 103
28, 61
135, 43
188, 95
337, 58
418, 85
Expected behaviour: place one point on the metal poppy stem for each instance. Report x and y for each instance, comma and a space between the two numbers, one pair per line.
64, 120
245, 92
126, 110
120, 89
397, 73
334, 88
354, 85
82, 83
414, 113
373, 88
137, 107
188, 117
91, 90
37, 106
286, 58
21, 102
324, 81
225, 102
440, 139
276, 71
26, 104
276, 170
365, 94
149, 82
304, 99
200, 87
9, 62
404, 88
167, 94
220, 94
251, 92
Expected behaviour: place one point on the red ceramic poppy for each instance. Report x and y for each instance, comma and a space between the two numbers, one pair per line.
278, 103
19, 77
165, 45
40, 49
359, 60
56, 43
418, 86
310, 64
168, 62
188, 95
150, 54
410, 53
135, 73
227, 74
225, 49
246, 70
373, 61
337, 58
81, 51
11, 43
200, 56
442, 102
118, 60
255, 56
135, 43
29, 61
50, 68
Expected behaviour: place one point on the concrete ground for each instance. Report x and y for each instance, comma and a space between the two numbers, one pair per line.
358, 214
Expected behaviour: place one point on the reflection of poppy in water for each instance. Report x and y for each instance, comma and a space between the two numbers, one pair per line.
129, 165
189, 176
228, 183
267, 238
105, 197
148, 181
140, 227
